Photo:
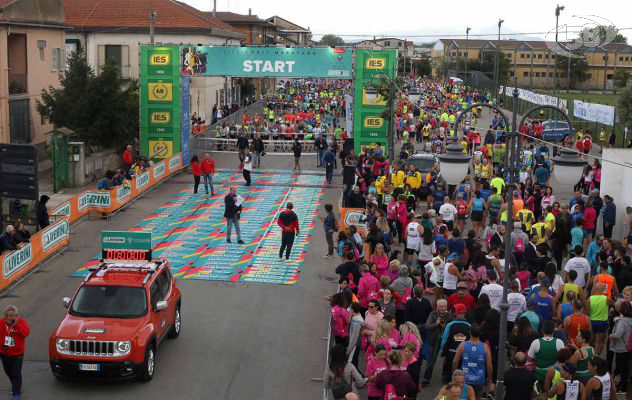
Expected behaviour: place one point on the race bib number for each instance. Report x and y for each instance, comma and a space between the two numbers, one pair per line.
8, 341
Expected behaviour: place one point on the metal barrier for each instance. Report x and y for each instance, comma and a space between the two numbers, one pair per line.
254, 108
202, 145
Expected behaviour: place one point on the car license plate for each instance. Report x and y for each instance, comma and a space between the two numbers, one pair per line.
88, 367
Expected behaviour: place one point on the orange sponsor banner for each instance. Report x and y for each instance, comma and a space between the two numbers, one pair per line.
109, 201
43, 244
355, 217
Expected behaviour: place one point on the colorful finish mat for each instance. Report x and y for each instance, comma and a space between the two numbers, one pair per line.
190, 230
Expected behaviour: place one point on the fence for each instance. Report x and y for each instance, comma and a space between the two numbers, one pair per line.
594, 128
110, 201
202, 145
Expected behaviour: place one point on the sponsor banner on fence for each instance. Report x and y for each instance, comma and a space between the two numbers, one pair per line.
174, 162
99, 199
17, 260
594, 112
536, 98
64, 209
159, 170
355, 217
142, 180
123, 192
55, 233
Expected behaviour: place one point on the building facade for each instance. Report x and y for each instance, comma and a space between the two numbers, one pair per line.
103, 34
289, 33
32, 41
532, 63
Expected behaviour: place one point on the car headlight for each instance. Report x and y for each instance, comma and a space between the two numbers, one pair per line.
63, 344
123, 347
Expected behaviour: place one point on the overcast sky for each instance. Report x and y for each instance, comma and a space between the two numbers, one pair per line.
413, 17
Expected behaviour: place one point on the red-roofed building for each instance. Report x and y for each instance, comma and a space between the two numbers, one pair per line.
31, 55
114, 29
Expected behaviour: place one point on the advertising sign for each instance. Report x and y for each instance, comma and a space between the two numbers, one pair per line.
369, 125
16, 260
142, 180
159, 170
594, 112
94, 199
160, 107
125, 240
267, 62
123, 192
55, 233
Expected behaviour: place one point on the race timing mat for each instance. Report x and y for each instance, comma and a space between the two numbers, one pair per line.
190, 230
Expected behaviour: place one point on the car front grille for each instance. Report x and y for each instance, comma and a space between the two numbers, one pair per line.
91, 348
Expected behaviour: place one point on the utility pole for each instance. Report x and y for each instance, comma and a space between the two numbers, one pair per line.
558, 9
391, 123
467, 37
214, 8
496, 67
152, 21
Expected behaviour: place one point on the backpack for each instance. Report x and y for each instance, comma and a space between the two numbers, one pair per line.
519, 246
391, 394
405, 296
340, 387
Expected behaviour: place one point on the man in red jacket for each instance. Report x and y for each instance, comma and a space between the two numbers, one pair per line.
208, 170
13, 333
288, 221
128, 157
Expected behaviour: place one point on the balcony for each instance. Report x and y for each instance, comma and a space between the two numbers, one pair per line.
17, 84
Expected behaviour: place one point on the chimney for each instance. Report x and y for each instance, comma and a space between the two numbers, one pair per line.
250, 11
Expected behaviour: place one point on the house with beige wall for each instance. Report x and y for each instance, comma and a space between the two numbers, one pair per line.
32, 41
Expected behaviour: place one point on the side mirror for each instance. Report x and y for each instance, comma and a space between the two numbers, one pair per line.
66, 302
161, 306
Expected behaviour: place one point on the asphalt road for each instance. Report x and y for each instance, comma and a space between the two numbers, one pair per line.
239, 341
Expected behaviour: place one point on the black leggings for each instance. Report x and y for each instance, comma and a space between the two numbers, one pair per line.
287, 241
196, 184
13, 368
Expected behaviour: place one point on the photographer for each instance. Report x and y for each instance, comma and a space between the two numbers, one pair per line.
435, 325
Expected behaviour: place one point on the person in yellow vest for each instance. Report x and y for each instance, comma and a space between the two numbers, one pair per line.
498, 183
413, 178
539, 229
380, 182
478, 167
526, 217
549, 218
397, 178
486, 173
452, 119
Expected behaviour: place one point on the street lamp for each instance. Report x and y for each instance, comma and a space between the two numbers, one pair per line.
558, 9
453, 164
568, 167
465, 58
496, 68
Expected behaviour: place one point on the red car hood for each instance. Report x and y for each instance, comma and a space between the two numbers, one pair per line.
98, 328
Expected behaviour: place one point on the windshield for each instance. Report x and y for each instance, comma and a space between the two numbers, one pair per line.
110, 302
422, 164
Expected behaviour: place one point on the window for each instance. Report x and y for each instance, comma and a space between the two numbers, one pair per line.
546, 56
589, 76
603, 58
465, 54
58, 59
387, 43
119, 54
540, 56
528, 55
627, 59
552, 56
563, 75
609, 76
511, 73
521, 55
620, 58
525, 74
537, 74
399, 44
550, 74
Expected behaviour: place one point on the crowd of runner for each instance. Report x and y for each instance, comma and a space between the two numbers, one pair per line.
421, 276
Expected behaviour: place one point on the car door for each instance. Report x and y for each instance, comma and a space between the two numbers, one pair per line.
159, 317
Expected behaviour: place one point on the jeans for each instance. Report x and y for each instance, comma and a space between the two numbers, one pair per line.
229, 227
330, 242
196, 183
256, 160
329, 172
13, 368
287, 241
319, 159
246, 174
433, 354
208, 180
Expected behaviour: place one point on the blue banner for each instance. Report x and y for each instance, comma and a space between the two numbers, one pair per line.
185, 121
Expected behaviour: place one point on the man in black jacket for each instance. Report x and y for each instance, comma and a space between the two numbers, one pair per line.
562, 235
7, 240
349, 267
232, 213
42, 212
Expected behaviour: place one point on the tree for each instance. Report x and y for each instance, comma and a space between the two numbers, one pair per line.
579, 69
331, 40
102, 110
423, 67
485, 63
624, 106
621, 78
600, 35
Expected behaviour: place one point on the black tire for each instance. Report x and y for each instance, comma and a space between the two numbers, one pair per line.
177, 324
149, 365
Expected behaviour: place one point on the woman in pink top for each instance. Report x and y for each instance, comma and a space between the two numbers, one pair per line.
368, 287
380, 259
408, 355
381, 336
340, 319
372, 318
590, 219
393, 337
410, 333
393, 271
374, 366
402, 217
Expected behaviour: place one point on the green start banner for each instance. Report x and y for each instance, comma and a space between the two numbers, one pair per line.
160, 108
369, 125
125, 240
267, 62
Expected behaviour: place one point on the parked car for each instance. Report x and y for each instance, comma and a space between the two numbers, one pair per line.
422, 161
556, 131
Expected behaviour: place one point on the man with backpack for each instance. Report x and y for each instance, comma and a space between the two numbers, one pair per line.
519, 240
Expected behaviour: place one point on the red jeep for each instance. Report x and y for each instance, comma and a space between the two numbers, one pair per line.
117, 318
